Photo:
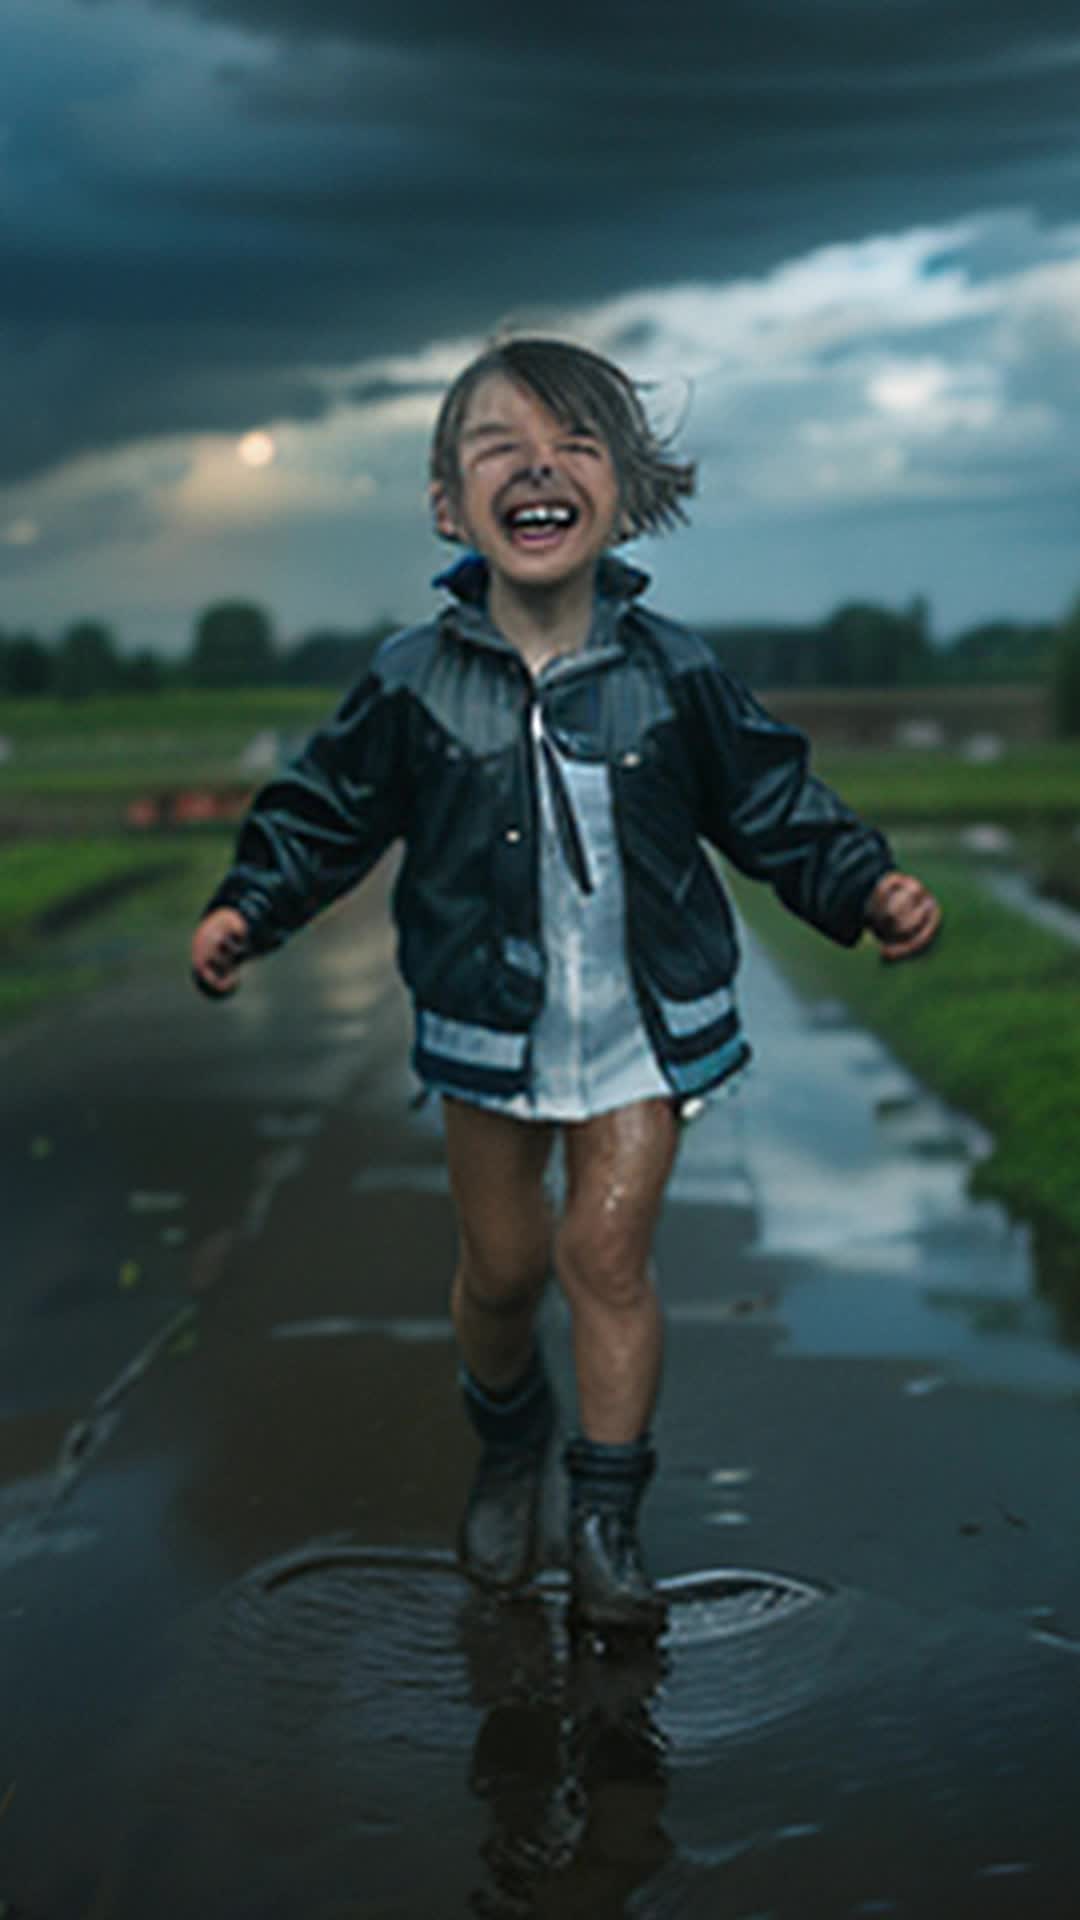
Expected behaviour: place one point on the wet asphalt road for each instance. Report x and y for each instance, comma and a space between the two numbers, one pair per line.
239, 1674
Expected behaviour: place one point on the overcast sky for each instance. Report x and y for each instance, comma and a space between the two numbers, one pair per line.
839, 238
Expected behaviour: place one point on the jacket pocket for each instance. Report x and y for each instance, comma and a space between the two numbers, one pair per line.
683, 931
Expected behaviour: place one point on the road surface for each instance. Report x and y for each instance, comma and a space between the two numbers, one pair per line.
240, 1675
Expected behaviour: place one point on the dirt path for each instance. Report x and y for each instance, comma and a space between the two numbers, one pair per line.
239, 1673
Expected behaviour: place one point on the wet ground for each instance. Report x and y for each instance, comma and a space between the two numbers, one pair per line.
239, 1674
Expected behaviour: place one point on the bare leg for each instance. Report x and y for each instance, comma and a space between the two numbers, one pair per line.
618, 1165
617, 1169
497, 1177
497, 1169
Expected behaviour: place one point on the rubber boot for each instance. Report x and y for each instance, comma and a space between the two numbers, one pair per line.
497, 1538
609, 1587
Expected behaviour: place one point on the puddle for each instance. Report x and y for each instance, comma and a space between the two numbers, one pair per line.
851, 1183
1017, 890
350, 1716
351, 1326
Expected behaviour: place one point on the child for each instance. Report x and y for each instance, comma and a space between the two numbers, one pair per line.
551, 752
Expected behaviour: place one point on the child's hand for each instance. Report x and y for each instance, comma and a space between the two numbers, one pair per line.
903, 916
219, 944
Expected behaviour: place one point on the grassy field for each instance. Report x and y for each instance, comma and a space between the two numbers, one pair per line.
1026, 786
107, 751
192, 714
145, 742
39, 878
990, 1019
109, 929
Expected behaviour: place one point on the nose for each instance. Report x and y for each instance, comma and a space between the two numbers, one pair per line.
540, 470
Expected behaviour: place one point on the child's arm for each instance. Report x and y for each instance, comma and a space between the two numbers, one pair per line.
312, 833
775, 820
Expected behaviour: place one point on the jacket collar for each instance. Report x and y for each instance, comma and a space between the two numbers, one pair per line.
617, 583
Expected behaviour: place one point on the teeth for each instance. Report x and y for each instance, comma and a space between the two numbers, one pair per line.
541, 516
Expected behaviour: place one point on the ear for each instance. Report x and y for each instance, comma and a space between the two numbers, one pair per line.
443, 512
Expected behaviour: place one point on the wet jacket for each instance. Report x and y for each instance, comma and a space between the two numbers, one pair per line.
437, 747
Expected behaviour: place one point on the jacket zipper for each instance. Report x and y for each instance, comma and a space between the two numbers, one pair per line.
649, 1020
562, 806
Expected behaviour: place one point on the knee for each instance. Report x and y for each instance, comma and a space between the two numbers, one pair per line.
605, 1268
500, 1286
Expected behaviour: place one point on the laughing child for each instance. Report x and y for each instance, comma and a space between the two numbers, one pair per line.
552, 754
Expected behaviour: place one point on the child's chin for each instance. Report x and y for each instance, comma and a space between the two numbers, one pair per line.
541, 566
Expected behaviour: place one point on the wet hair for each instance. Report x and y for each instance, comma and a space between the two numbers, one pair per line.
588, 392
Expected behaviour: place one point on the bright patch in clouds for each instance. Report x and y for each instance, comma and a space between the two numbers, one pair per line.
21, 532
930, 397
265, 479
909, 388
257, 449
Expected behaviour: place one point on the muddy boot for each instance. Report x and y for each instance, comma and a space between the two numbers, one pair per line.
497, 1536
609, 1587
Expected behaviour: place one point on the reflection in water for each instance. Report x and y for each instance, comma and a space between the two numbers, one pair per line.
357, 1733
843, 1167
570, 1763
573, 1756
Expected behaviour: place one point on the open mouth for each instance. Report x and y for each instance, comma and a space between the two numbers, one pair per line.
540, 523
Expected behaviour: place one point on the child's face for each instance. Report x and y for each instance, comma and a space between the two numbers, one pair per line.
537, 499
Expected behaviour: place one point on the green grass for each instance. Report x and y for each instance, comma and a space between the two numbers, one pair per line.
36, 875
147, 742
184, 711
990, 1019
1025, 786
151, 925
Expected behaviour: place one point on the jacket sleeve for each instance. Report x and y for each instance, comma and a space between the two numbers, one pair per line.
764, 809
319, 826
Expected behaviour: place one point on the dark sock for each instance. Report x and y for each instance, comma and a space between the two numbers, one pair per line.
607, 1474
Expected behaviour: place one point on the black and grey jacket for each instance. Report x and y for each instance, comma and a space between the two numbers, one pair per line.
435, 747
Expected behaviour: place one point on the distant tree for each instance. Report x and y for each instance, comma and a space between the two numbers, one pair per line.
862, 645
332, 659
86, 661
27, 666
765, 655
918, 614
1000, 650
143, 673
233, 646
1065, 681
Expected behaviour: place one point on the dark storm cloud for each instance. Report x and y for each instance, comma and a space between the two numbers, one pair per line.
74, 389
762, 30
372, 393
354, 180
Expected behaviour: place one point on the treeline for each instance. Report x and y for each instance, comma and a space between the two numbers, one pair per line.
865, 645
233, 645
861, 644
